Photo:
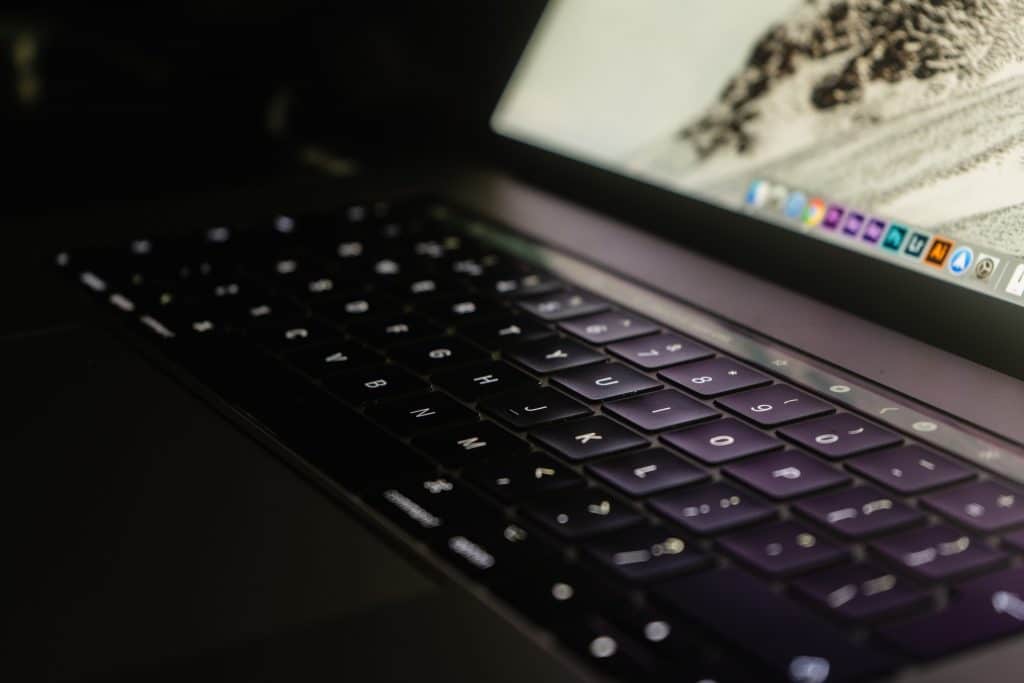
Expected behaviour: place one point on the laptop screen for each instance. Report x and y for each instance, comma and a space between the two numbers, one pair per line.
892, 128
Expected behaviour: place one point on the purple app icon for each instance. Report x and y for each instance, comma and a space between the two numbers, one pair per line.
833, 215
873, 232
853, 223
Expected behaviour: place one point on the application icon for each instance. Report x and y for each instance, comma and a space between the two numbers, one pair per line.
776, 198
985, 266
853, 223
873, 231
1016, 284
833, 215
757, 193
894, 238
938, 252
795, 203
961, 260
813, 212
916, 244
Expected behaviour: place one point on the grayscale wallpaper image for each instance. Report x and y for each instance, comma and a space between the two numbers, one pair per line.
854, 98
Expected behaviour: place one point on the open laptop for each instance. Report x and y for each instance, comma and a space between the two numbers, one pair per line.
729, 388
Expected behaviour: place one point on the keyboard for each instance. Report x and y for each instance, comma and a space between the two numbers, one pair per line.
664, 494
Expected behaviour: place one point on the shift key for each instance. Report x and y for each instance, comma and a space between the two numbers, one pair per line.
796, 644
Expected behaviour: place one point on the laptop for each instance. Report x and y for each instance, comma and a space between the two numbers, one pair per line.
711, 373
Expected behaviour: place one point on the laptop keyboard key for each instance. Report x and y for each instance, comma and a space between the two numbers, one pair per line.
861, 592
660, 351
603, 382
714, 377
294, 334
425, 506
608, 327
335, 357
374, 383
859, 512
562, 305
786, 474
519, 476
782, 549
588, 438
581, 513
357, 307
711, 509
420, 413
504, 332
553, 354
391, 331
796, 643
938, 553
721, 441
840, 436
647, 472
529, 408
436, 353
646, 554
660, 410
461, 309
909, 470
979, 611
774, 405
478, 381
474, 442
985, 506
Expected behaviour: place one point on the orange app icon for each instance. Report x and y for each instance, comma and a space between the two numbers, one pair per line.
814, 212
938, 252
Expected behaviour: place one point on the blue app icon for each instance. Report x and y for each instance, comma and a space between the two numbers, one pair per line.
961, 260
795, 203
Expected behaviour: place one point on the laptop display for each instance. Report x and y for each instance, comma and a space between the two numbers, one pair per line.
893, 129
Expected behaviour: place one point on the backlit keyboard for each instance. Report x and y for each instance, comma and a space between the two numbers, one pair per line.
667, 510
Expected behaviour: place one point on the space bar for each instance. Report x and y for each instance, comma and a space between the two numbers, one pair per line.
795, 644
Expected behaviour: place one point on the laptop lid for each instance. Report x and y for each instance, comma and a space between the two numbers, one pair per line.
867, 153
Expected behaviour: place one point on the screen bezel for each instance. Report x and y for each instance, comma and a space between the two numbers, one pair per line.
981, 328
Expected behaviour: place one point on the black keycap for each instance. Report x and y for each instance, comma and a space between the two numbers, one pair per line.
861, 592
721, 441
520, 476
604, 381
294, 334
660, 351
608, 648
711, 509
480, 266
374, 383
774, 405
581, 513
481, 380
714, 377
472, 442
782, 548
647, 472
355, 307
528, 408
336, 357
553, 354
909, 469
979, 611
553, 593
460, 309
608, 327
660, 410
425, 506
1014, 539
938, 553
436, 353
562, 305
859, 512
797, 644
518, 285
417, 289
420, 413
839, 436
505, 331
588, 438
786, 474
646, 553
493, 549
391, 331
985, 506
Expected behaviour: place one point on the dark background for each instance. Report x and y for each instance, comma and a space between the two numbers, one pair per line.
100, 105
